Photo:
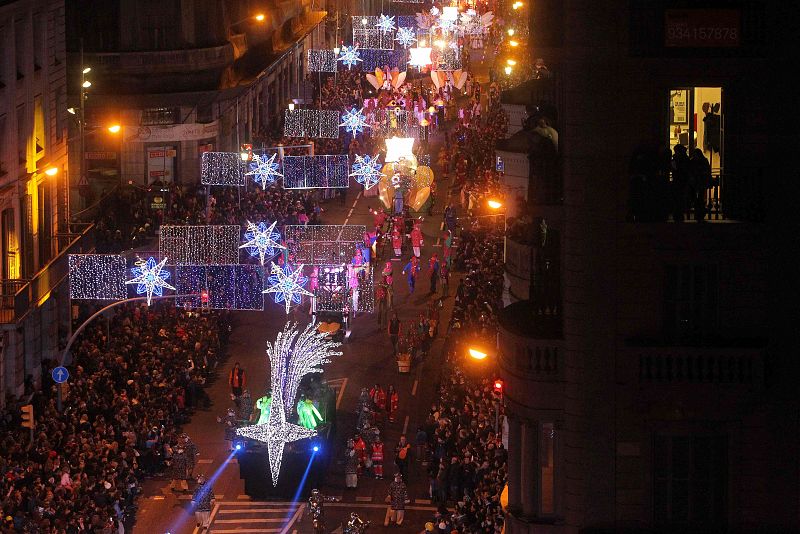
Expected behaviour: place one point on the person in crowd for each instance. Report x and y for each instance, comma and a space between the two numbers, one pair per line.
237, 381
410, 270
203, 501
433, 272
394, 330
401, 455
397, 498
351, 466
377, 457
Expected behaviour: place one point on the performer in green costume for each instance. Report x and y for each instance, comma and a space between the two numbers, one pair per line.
308, 413
263, 405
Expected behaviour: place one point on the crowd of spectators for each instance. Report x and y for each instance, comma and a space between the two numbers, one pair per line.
134, 382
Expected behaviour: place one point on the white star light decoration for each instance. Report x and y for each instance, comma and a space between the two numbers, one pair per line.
261, 240
385, 24
349, 56
367, 170
287, 285
264, 171
405, 36
354, 121
150, 277
291, 358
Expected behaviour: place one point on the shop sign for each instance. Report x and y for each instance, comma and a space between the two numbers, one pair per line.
702, 28
97, 156
178, 132
499, 165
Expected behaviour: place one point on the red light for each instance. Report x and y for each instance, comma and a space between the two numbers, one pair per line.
204, 296
498, 385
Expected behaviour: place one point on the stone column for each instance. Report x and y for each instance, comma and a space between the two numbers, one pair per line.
530, 468
514, 464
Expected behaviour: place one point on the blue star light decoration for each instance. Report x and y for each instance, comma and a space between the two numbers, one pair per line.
150, 277
405, 36
367, 170
287, 286
294, 355
354, 121
261, 240
385, 24
349, 56
264, 171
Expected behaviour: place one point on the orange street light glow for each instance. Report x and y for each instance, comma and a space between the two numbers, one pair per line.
51, 171
495, 204
260, 17
477, 354
114, 128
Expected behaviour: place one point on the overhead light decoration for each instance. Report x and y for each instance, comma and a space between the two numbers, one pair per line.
97, 276
264, 171
293, 356
405, 36
261, 240
367, 170
354, 121
150, 278
385, 24
349, 56
398, 148
420, 57
287, 286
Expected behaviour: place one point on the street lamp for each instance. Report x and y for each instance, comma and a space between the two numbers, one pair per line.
51, 171
114, 128
495, 204
260, 17
476, 354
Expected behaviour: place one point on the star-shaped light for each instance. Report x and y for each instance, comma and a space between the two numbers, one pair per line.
405, 36
150, 277
264, 171
287, 285
354, 121
349, 56
367, 170
276, 433
398, 148
261, 240
420, 57
385, 24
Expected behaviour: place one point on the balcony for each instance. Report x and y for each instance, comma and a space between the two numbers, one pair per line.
160, 61
693, 366
20, 297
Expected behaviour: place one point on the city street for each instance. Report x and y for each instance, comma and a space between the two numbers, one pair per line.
367, 359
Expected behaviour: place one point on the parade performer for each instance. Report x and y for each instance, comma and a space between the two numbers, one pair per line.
231, 423
377, 457
393, 401
203, 501
410, 270
433, 271
361, 452
378, 396
397, 241
350, 466
263, 404
307, 413
245, 406
417, 240
178, 459
398, 497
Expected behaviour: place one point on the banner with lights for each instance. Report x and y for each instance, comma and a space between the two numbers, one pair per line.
446, 59
97, 277
200, 245
323, 244
311, 123
321, 61
378, 59
222, 168
372, 38
315, 172
220, 287
396, 122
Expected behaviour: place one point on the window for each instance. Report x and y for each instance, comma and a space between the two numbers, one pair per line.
38, 41
22, 138
691, 302
19, 47
689, 481
9, 245
3, 139
156, 116
695, 121
547, 438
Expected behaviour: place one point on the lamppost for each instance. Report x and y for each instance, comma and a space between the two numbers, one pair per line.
479, 352
258, 18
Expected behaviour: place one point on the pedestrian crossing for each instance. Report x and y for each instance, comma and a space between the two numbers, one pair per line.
242, 517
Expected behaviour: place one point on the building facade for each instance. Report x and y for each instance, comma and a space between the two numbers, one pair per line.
33, 188
184, 77
654, 391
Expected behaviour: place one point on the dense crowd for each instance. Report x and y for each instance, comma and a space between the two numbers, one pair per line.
134, 382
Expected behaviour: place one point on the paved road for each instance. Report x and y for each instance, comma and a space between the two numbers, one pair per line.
367, 359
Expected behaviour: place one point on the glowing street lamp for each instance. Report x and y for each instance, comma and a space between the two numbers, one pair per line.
114, 128
86, 84
477, 354
495, 204
510, 32
51, 171
508, 70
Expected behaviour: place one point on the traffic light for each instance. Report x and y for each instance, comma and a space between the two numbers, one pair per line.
27, 416
204, 297
498, 386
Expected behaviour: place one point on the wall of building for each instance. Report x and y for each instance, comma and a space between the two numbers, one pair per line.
33, 138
